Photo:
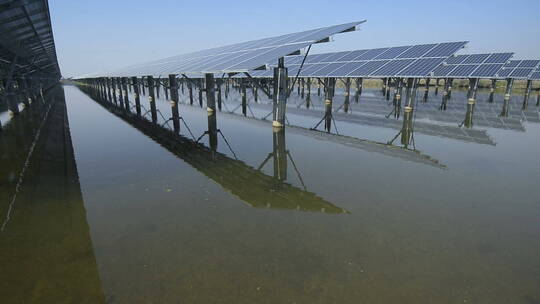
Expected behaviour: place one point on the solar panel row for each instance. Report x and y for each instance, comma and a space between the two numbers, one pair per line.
519, 69
402, 61
400, 52
238, 57
472, 66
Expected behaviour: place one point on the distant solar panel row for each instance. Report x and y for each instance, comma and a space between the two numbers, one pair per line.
519, 69
402, 61
472, 66
238, 57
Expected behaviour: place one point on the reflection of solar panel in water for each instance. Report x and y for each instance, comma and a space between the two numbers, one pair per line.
403, 61
472, 66
238, 57
519, 69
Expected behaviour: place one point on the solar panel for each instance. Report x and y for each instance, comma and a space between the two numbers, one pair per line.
418, 51
309, 59
528, 64
535, 76
521, 73
352, 55
392, 68
309, 69
236, 58
346, 69
445, 49
476, 59
520, 69
392, 53
368, 68
462, 71
486, 70
423, 66
512, 64
329, 68
457, 59
499, 58
406, 61
472, 66
371, 54
336, 56
443, 70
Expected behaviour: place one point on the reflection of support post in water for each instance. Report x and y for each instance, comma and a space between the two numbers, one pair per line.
468, 122
504, 111
212, 132
407, 128
279, 154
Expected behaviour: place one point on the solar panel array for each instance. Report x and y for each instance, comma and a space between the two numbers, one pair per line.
401, 61
519, 69
473, 66
536, 74
234, 58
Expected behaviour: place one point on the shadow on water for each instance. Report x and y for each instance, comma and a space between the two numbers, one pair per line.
46, 254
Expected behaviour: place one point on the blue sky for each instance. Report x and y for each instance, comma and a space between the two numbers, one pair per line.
100, 35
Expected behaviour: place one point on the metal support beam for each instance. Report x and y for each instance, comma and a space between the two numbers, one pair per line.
328, 103
152, 98
509, 86
190, 89
8, 87
136, 87
280, 94
412, 84
492, 90
346, 102
210, 85
125, 93
244, 96
219, 82
201, 89
426, 90
407, 128
113, 90
108, 85
388, 86
359, 87
473, 88
120, 93
173, 85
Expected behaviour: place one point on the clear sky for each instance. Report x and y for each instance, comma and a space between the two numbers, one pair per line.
100, 35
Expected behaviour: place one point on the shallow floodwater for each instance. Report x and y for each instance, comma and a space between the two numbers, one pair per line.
301, 216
